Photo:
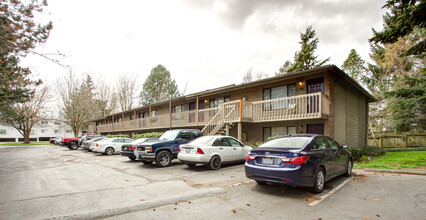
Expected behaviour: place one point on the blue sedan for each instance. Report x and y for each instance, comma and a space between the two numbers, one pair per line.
299, 160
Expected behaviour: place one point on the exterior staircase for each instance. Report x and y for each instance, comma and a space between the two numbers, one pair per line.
217, 125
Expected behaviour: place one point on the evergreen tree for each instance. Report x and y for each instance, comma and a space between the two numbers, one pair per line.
305, 58
354, 65
159, 86
19, 34
406, 17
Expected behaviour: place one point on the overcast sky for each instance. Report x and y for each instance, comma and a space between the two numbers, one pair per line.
203, 43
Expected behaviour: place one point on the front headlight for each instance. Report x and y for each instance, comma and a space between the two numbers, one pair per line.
148, 149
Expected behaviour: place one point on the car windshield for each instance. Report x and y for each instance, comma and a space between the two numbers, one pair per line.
169, 135
287, 142
201, 140
96, 139
138, 141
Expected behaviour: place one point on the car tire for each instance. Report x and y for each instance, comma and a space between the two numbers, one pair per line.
163, 159
215, 163
147, 162
319, 181
261, 183
109, 151
132, 158
349, 168
73, 146
89, 150
191, 164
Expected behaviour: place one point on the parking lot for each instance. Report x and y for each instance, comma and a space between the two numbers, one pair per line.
45, 182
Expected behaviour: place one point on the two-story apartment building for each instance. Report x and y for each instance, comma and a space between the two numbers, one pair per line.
322, 100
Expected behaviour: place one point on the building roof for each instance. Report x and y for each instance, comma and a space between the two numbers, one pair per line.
294, 75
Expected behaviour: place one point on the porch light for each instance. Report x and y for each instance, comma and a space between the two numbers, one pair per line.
300, 83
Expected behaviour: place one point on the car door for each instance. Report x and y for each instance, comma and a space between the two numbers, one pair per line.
237, 149
117, 144
224, 149
341, 156
326, 154
182, 138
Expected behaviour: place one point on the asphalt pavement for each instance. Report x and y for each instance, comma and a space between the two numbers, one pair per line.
52, 182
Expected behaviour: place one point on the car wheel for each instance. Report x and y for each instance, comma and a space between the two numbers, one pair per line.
147, 162
261, 183
132, 158
73, 146
319, 181
190, 164
349, 168
163, 159
215, 163
89, 150
109, 151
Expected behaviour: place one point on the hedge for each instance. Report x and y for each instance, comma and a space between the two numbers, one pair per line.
148, 135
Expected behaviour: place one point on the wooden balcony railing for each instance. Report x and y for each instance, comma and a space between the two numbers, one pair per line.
307, 106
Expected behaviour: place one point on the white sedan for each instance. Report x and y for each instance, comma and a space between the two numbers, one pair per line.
212, 151
111, 145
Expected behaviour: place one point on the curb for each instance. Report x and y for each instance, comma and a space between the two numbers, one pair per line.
397, 171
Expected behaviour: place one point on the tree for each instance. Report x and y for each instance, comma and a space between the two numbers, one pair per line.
24, 115
126, 92
248, 77
74, 106
305, 58
105, 100
406, 17
19, 34
354, 65
159, 86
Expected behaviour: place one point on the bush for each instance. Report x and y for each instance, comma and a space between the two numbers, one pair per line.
148, 135
117, 135
356, 153
374, 151
406, 149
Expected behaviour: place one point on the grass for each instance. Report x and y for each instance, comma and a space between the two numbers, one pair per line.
22, 144
396, 161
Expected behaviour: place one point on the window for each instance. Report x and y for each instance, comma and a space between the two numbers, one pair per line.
235, 143
320, 144
221, 142
276, 93
333, 144
43, 131
68, 131
57, 123
217, 102
32, 132
154, 112
56, 131
2, 131
287, 142
132, 116
277, 131
178, 109
44, 122
184, 135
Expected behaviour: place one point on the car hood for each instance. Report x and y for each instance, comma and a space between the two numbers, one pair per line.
156, 142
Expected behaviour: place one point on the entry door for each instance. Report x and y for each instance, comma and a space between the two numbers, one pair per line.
314, 86
315, 129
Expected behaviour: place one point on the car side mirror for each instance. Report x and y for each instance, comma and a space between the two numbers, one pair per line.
178, 139
345, 146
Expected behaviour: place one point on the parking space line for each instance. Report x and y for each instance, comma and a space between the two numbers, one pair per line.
330, 192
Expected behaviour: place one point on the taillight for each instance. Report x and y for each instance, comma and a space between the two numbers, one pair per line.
87, 143
132, 148
295, 160
97, 145
179, 149
250, 157
199, 151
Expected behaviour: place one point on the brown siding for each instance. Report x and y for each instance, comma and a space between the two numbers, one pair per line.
352, 118
340, 113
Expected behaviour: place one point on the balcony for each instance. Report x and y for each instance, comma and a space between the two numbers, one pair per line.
309, 106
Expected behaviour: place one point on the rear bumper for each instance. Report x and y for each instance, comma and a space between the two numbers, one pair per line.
299, 176
127, 154
193, 158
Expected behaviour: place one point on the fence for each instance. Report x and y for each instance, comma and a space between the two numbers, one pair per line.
398, 141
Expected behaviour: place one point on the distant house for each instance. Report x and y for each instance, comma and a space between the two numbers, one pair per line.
43, 131
322, 100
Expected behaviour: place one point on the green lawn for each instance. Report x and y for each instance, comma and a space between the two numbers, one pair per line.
396, 161
22, 144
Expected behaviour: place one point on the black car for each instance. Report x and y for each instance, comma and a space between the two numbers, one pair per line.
128, 149
299, 160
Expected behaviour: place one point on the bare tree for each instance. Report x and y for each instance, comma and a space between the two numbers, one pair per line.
126, 93
248, 77
105, 100
74, 106
23, 116
261, 75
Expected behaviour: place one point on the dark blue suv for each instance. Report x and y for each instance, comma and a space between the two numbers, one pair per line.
163, 151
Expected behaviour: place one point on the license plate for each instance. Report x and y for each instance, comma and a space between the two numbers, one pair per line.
125, 148
268, 161
188, 150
